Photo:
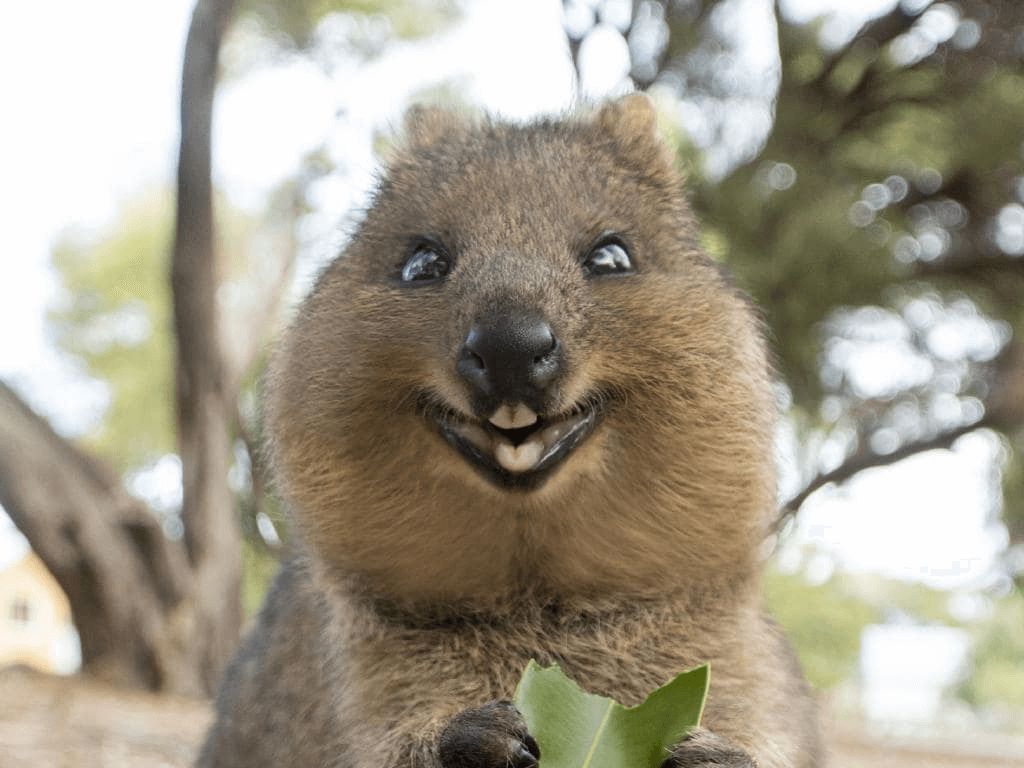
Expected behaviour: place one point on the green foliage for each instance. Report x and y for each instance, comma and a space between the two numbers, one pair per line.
576, 729
293, 24
823, 622
843, 121
1013, 491
114, 316
920, 603
997, 677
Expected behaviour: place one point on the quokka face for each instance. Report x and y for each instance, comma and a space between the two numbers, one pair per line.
522, 343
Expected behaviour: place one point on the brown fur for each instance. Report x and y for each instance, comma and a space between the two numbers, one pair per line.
420, 588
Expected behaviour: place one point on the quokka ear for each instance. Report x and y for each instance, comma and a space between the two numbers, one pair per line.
631, 118
632, 122
424, 125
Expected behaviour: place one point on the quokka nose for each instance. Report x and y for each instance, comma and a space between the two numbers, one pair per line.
510, 357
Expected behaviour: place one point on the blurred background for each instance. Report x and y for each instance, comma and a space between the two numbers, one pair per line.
858, 165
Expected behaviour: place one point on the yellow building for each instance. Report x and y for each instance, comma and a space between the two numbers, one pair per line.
35, 619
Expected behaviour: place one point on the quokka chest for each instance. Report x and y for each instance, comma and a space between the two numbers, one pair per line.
623, 656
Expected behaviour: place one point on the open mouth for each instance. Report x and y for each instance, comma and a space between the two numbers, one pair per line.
515, 447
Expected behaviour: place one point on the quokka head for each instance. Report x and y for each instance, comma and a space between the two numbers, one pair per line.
523, 355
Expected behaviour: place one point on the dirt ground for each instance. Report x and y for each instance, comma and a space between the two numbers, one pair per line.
62, 722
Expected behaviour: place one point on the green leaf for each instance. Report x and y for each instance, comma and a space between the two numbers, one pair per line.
576, 729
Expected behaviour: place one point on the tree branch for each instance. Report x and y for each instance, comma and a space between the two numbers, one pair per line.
881, 31
973, 267
867, 459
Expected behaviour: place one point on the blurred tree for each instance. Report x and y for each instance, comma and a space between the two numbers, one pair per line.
114, 317
868, 192
364, 26
114, 312
823, 621
155, 610
997, 679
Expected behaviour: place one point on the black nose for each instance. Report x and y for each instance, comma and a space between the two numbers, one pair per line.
511, 357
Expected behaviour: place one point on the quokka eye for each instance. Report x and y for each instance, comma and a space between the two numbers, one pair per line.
608, 257
426, 264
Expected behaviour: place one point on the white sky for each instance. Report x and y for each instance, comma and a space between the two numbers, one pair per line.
91, 104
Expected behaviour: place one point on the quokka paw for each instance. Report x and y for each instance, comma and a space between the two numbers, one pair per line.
703, 749
493, 735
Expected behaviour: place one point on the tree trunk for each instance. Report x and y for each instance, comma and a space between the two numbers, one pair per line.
123, 577
205, 396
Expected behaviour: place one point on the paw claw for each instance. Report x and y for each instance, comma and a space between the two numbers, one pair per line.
522, 757
703, 749
531, 744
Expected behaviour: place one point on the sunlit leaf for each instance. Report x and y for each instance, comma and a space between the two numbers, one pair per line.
576, 729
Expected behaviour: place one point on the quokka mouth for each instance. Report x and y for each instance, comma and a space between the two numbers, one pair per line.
515, 447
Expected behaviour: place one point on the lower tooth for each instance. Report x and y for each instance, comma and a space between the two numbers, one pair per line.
519, 458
